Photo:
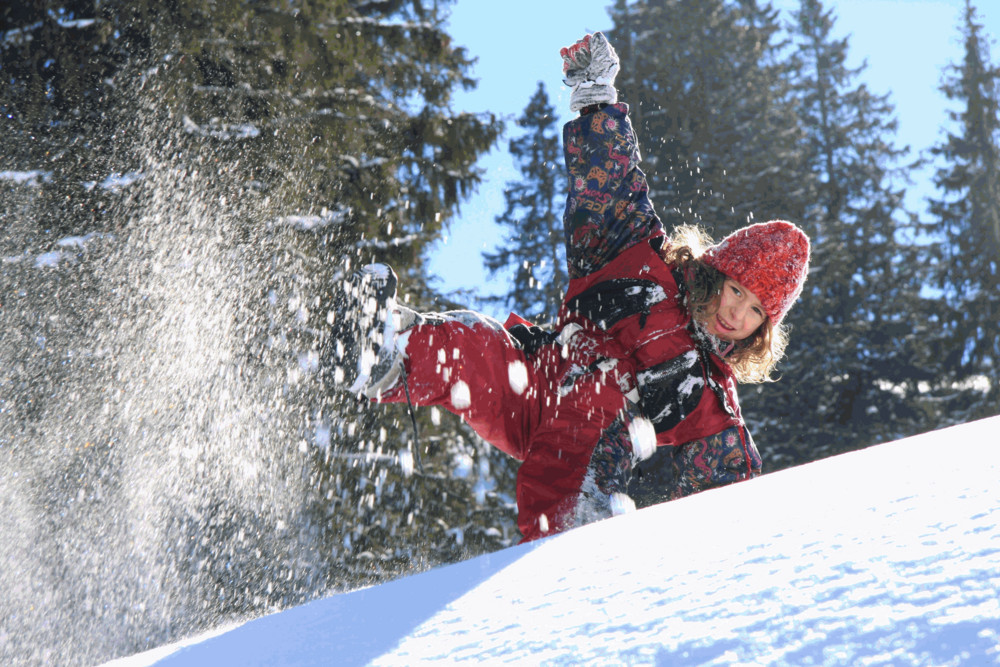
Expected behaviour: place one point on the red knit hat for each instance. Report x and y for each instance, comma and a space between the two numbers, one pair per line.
770, 259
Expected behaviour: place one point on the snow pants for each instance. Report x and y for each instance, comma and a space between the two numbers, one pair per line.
553, 410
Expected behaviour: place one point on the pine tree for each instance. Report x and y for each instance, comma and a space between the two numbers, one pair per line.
267, 148
711, 105
61, 112
852, 372
534, 250
735, 130
359, 88
966, 220
711, 94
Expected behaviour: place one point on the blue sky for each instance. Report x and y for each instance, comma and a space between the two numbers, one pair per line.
906, 43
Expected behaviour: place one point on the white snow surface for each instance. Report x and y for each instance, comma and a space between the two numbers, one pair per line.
887, 556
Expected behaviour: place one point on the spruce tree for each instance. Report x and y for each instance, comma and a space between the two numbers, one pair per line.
534, 249
852, 367
737, 128
711, 105
205, 175
965, 220
339, 106
711, 94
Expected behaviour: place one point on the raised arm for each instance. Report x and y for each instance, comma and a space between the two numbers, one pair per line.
607, 206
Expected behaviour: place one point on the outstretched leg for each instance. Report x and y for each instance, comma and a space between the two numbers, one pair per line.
469, 365
364, 323
462, 361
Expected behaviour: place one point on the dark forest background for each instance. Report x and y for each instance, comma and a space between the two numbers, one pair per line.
185, 181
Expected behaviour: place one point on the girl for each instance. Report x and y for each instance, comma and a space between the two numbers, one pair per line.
642, 366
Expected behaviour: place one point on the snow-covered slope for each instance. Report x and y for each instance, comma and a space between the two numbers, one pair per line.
888, 556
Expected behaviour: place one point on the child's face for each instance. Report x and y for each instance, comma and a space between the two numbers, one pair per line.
738, 315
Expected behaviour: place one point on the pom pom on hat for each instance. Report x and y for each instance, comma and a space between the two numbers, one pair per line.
770, 259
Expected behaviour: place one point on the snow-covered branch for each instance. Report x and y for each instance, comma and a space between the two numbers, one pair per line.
379, 244
31, 178
310, 223
218, 130
24, 34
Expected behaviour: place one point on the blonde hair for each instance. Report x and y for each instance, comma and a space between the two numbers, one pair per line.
752, 359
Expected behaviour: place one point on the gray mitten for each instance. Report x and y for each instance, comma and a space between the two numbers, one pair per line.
590, 67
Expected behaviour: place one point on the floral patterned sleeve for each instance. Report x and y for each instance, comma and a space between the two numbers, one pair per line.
608, 208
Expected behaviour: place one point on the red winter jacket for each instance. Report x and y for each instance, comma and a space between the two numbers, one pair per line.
621, 285
687, 392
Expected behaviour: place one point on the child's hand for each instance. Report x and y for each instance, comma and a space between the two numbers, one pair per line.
590, 67
590, 59
575, 60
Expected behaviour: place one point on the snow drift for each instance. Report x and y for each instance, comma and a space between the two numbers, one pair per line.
889, 555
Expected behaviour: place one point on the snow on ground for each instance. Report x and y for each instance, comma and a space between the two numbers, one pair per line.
888, 556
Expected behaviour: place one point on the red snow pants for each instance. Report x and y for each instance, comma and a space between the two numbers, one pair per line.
548, 409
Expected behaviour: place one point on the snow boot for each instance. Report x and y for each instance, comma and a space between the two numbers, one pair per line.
361, 353
590, 67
